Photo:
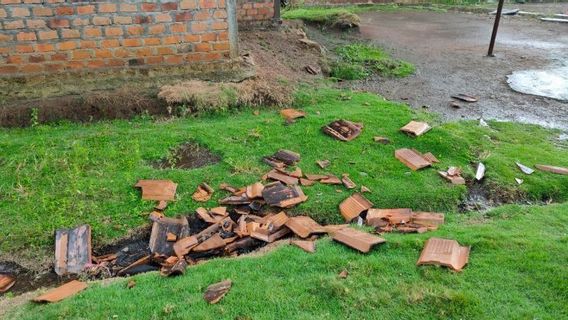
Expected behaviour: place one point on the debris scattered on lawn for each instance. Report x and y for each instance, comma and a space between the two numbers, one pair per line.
203, 193
553, 169
284, 178
483, 123
217, 291
480, 173
282, 158
306, 245
412, 159
416, 128
323, 163
519, 181
131, 284
430, 157
454, 104
524, 169
353, 206
314, 70
453, 175
157, 189
403, 220
330, 179
292, 114
382, 140
161, 205
343, 130
465, 97
365, 189
343, 274
69, 289
506, 12
278, 195
356, 239
72, 250
6, 282
159, 236
347, 182
304, 226
444, 252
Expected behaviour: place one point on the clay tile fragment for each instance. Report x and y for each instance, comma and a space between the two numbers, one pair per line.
214, 242
343, 274
306, 245
553, 169
264, 234
304, 226
343, 130
67, 290
416, 128
365, 189
6, 282
353, 206
430, 157
356, 239
255, 190
157, 189
72, 249
183, 246
392, 216
203, 193
453, 176
278, 195
158, 237
331, 228
227, 187
236, 200
156, 215
282, 158
176, 269
464, 97
444, 252
323, 163
427, 219
307, 182
217, 291
292, 114
316, 177
411, 159
347, 182
276, 175
381, 140
331, 179
171, 237
161, 205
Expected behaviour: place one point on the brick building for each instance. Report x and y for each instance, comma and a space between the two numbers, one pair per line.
61, 36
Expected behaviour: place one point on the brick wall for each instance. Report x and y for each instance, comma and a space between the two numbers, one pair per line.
349, 2
254, 11
47, 36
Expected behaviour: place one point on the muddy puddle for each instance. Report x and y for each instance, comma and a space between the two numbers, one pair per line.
550, 83
189, 155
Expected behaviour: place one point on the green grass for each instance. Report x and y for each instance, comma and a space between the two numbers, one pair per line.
64, 175
517, 270
358, 61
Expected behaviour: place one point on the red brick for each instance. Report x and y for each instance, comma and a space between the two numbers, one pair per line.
36, 24
14, 60
20, 12
169, 6
36, 58
199, 27
66, 45
184, 16
96, 64
41, 11
157, 29
70, 33
8, 69
26, 36
103, 53
75, 65
5, 50
3, 13
121, 53
24, 48
177, 59
152, 41
6, 37
141, 20
122, 20
194, 57
81, 22
171, 40
92, 32
60, 56
9, 2
191, 38
148, 6
110, 43
188, 4
220, 14
202, 47
81, 54
115, 62
202, 15
43, 47
177, 27
113, 31
209, 37
107, 7
211, 56
48, 35
221, 46
54, 67
144, 52
131, 42
135, 30
127, 7
88, 44
32, 68
164, 17
219, 26
64, 11
16, 24
101, 21
207, 4
86, 9
222, 4
58, 23
154, 60
223, 35
162, 51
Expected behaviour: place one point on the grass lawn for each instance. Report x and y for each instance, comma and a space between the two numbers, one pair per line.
517, 270
68, 174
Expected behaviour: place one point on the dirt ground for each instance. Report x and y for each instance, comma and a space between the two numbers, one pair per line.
449, 51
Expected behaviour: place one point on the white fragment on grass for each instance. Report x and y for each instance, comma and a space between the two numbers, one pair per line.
483, 123
480, 171
359, 221
519, 181
524, 169
552, 83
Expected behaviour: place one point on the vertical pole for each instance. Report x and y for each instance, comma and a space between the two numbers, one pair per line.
233, 28
277, 11
495, 27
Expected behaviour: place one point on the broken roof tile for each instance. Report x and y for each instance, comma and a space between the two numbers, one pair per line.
255, 190
277, 194
184, 245
353, 206
381, 140
444, 252
203, 192
330, 179
356, 239
343, 130
392, 216
215, 292
430, 157
304, 226
347, 182
306, 245
277, 221
307, 182
266, 236
176, 269
69, 289
72, 249
323, 163
292, 114
157, 189
158, 237
6, 282
427, 218
214, 242
464, 97
454, 179
316, 177
553, 169
161, 205
235, 200
282, 158
365, 189
284, 178
416, 128
411, 159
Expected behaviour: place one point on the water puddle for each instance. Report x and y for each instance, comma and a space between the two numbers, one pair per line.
551, 83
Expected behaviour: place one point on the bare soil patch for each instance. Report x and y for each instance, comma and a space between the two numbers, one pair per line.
189, 155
